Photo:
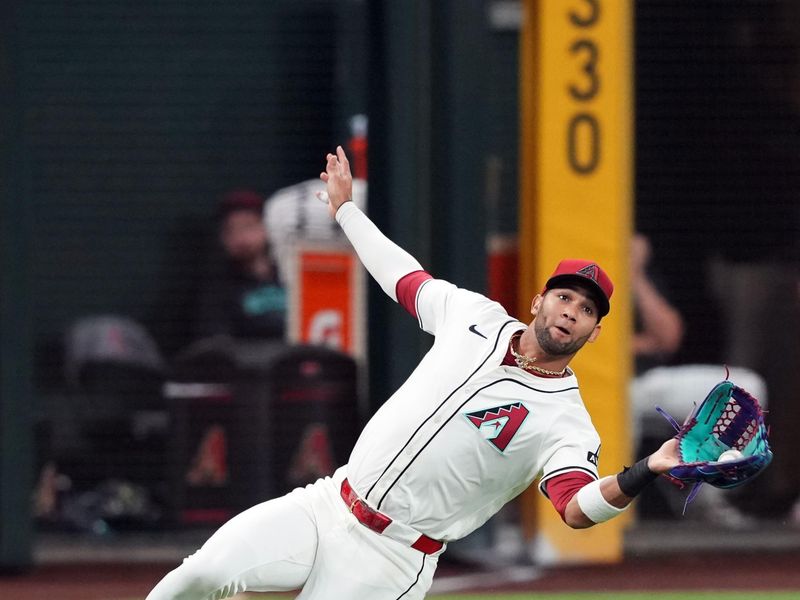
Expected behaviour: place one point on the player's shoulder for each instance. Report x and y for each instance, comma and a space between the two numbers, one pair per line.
465, 299
461, 305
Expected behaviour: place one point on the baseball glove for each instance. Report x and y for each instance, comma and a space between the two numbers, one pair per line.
728, 419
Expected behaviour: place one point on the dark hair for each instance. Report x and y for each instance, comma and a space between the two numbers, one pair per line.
240, 199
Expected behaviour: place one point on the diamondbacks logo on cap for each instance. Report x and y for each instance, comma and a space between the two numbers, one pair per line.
499, 425
589, 271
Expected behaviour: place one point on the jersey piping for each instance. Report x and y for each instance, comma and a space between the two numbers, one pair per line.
424, 556
430, 416
416, 304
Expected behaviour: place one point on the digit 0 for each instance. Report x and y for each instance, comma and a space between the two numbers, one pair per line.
583, 143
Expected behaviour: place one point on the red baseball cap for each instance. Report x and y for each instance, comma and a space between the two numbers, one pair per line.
585, 272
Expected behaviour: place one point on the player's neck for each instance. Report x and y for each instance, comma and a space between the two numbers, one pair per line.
530, 357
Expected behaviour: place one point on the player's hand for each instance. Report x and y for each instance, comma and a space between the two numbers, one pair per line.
340, 181
665, 458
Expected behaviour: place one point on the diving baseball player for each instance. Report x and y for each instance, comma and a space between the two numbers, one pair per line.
490, 408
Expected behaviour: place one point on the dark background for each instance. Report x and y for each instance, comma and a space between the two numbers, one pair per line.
136, 117
717, 146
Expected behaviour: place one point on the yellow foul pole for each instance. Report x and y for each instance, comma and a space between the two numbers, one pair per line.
576, 201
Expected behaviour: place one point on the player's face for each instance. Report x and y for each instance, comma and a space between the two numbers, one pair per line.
243, 235
565, 319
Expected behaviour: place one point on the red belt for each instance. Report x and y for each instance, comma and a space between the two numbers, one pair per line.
377, 522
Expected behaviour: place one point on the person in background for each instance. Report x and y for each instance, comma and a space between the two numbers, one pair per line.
658, 335
658, 324
245, 297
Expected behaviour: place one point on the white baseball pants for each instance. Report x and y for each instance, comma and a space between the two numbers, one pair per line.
306, 539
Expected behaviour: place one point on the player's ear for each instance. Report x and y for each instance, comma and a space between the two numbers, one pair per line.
536, 303
595, 333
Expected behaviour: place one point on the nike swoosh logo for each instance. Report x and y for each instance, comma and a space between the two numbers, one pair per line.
474, 329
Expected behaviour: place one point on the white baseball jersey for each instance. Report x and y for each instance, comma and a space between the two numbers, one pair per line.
465, 434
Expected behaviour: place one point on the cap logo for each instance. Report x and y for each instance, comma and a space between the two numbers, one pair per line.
589, 271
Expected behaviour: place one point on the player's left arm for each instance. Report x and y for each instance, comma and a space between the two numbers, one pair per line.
606, 498
398, 273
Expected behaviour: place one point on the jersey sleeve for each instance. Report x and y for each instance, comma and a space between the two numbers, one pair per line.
560, 489
407, 289
572, 445
387, 262
438, 302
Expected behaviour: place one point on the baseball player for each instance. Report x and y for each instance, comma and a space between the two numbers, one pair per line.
491, 407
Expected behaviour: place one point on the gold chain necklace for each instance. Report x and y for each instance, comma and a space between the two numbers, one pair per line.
526, 362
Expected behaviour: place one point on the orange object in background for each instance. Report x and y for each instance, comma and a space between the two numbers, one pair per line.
325, 281
326, 305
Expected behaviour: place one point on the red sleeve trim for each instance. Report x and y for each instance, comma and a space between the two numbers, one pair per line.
562, 488
407, 287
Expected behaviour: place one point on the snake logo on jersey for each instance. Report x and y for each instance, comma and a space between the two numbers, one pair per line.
499, 425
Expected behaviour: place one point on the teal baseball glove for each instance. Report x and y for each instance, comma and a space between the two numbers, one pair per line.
723, 442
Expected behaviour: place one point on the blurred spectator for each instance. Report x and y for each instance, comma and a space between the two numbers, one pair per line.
658, 325
677, 389
244, 298
753, 188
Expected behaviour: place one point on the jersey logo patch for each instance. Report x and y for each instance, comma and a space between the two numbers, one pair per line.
499, 425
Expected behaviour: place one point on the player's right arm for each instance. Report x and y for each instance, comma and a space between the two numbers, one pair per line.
584, 503
385, 261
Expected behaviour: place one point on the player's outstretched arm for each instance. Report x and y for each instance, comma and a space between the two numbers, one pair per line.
604, 499
384, 260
